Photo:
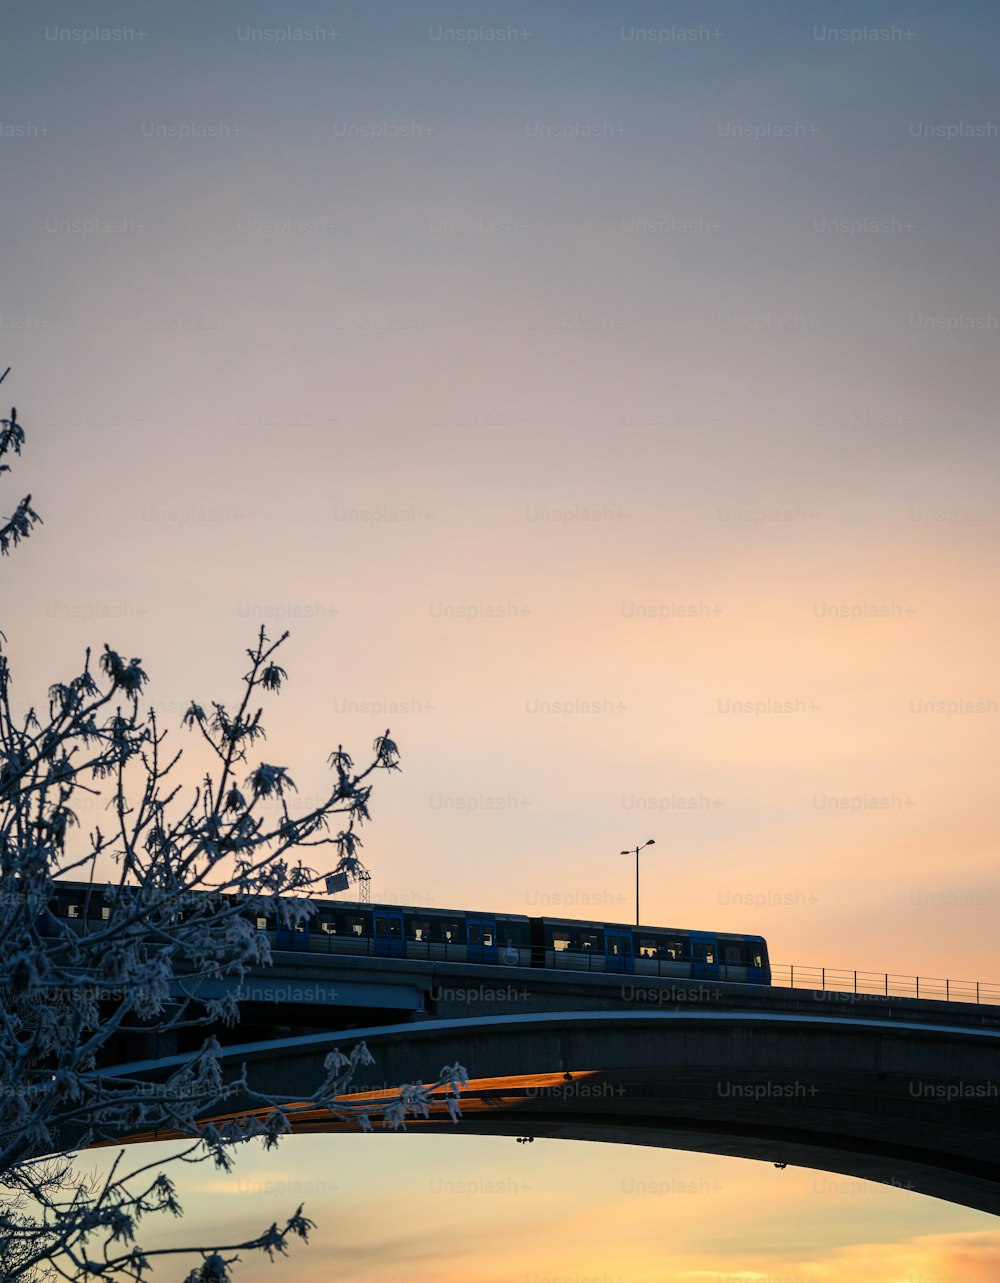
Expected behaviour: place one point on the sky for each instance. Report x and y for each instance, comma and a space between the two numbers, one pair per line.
604, 398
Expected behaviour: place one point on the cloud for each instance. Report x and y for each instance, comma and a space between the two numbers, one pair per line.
933, 1258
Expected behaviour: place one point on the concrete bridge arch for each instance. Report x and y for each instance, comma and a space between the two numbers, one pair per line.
913, 1104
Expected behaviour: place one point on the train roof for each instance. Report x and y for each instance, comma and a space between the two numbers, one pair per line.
328, 903
631, 926
427, 908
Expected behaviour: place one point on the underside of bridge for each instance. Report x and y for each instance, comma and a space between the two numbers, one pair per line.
916, 1107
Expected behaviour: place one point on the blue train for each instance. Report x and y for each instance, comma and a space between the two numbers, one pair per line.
498, 939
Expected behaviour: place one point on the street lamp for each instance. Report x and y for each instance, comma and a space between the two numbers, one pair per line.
629, 852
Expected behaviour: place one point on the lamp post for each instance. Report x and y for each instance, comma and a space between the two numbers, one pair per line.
629, 852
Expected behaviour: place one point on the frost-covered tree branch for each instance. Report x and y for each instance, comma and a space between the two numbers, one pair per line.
180, 873
18, 524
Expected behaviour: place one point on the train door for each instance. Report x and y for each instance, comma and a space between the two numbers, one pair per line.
618, 950
389, 942
296, 938
482, 939
704, 956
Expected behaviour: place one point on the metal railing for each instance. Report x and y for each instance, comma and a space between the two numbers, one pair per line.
884, 984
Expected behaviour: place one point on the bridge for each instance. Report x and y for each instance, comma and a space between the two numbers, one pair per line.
893, 1089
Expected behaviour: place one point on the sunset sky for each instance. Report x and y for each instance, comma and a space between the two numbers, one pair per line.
608, 407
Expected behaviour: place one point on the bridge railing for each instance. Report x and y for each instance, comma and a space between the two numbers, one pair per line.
837, 980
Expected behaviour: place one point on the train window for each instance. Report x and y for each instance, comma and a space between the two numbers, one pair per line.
758, 958
72, 911
487, 936
669, 948
698, 950
395, 929
379, 925
734, 952
566, 940
435, 930
261, 923
509, 935
348, 924
709, 951
105, 912
474, 933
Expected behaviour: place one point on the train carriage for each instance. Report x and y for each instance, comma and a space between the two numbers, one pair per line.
568, 944
440, 934
400, 931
